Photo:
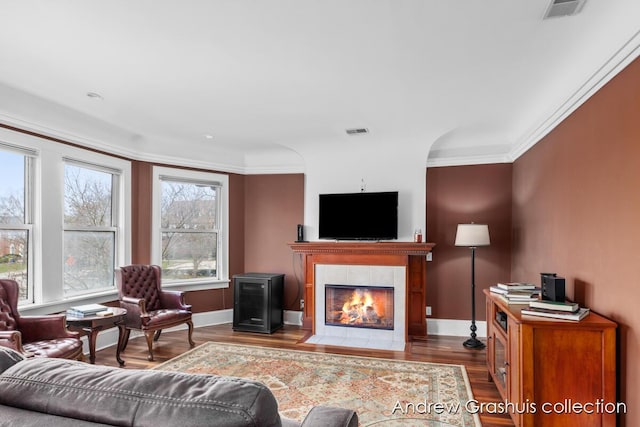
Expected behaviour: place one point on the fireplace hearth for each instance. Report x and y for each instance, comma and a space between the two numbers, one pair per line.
359, 306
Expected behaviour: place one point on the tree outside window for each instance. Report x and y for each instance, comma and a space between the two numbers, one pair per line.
15, 221
89, 229
189, 229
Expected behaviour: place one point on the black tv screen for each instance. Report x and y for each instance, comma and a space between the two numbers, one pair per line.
359, 216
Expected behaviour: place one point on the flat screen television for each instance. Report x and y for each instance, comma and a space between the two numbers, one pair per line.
358, 216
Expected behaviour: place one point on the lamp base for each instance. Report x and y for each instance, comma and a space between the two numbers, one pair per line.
473, 343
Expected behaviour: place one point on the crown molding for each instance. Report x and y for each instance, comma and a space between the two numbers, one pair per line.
190, 163
468, 160
56, 135
273, 170
616, 63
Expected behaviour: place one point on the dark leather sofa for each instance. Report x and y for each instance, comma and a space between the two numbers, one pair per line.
40, 391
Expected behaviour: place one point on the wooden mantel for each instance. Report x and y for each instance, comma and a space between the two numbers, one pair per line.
408, 254
363, 248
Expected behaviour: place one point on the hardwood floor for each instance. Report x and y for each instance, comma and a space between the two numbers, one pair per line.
438, 349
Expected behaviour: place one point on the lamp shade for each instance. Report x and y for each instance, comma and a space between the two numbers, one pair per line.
472, 235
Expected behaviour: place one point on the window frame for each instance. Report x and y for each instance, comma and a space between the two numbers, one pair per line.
163, 173
116, 178
46, 240
29, 158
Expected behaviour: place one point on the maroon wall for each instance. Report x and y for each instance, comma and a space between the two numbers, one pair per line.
237, 188
464, 194
274, 205
141, 196
576, 212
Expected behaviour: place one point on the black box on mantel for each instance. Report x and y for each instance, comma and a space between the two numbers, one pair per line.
552, 287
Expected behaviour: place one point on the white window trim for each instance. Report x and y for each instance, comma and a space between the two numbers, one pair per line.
223, 225
114, 227
30, 158
48, 216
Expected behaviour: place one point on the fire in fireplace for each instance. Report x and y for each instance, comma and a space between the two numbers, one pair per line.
359, 306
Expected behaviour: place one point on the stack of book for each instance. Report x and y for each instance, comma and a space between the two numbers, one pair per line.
556, 310
87, 310
516, 293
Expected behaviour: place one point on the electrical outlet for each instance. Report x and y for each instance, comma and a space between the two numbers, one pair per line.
301, 304
428, 310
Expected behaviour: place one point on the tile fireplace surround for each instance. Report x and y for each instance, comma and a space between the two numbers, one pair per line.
372, 276
401, 265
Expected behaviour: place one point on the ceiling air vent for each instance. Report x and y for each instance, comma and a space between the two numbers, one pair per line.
357, 131
564, 8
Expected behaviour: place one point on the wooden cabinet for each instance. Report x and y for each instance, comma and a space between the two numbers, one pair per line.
552, 372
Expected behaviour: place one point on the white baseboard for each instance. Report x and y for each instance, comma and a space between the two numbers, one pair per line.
292, 317
450, 327
456, 328
209, 318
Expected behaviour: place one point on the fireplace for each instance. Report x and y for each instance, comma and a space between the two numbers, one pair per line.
342, 280
398, 264
409, 302
359, 306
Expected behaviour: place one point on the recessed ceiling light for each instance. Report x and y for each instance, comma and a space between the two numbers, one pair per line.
208, 136
96, 96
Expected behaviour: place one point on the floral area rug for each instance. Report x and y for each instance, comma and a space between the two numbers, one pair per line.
383, 392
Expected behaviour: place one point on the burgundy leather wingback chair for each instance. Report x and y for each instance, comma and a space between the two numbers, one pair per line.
34, 336
149, 308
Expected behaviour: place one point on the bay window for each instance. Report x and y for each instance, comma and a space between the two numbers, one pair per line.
189, 240
64, 221
16, 218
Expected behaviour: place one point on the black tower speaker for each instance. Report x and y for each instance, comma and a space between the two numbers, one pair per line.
542, 278
553, 288
300, 233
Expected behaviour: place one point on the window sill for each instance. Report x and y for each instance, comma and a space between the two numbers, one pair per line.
196, 286
62, 306
112, 295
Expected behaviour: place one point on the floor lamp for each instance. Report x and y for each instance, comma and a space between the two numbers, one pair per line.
472, 236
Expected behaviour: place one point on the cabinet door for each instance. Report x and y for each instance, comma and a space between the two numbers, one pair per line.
513, 386
490, 328
500, 362
250, 306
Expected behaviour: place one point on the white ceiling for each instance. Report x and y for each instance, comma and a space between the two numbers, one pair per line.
471, 81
